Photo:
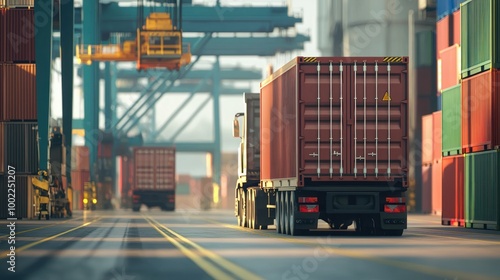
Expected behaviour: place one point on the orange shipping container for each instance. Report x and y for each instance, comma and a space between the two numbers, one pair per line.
437, 135
78, 178
427, 139
437, 187
449, 74
426, 191
80, 158
481, 112
456, 27
453, 187
18, 92
443, 34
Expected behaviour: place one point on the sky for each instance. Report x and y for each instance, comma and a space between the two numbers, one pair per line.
200, 127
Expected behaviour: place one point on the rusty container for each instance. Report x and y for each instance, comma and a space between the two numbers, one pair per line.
18, 36
453, 191
80, 158
18, 92
449, 76
427, 139
321, 118
437, 138
437, 187
481, 112
154, 168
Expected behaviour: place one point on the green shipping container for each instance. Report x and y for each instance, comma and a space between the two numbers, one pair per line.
480, 36
482, 190
451, 121
426, 48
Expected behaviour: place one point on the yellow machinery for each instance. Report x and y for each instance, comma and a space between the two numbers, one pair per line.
89, 196
42, 198
158, 45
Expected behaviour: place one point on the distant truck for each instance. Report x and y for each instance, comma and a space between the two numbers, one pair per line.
154, 178
326, 138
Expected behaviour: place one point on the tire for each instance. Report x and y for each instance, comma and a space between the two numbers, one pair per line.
282, 212
278, 212
239, 209
251, 198
136, 208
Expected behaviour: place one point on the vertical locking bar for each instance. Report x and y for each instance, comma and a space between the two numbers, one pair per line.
331, 123
364, 119
341, 71
319, 125
389, 120
355, 120
376, 119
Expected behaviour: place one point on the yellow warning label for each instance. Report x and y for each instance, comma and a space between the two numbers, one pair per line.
393, 59
386, 97
310, 59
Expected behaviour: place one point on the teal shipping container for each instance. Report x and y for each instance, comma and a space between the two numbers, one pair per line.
452, 121
480, 36
482, 190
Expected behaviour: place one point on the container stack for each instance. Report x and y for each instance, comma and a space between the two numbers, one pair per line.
18, 110
431, 164
105, 171
448, 158
480, 91
80, 174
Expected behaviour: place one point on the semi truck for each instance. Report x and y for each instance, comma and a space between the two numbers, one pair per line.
326, 139
154, 178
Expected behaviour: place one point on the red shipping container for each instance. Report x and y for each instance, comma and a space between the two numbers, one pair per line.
18, 29
426, 191
437, 187
481, 112
80, 158
449, 75
456, 27
154, 168
453, 191
443, 34
437, 139
18, 92
78, 179
427, 139
296, 111
105, 150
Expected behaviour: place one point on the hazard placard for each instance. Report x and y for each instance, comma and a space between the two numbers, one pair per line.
386, 97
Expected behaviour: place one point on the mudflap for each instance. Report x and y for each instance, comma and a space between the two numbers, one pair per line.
393, 221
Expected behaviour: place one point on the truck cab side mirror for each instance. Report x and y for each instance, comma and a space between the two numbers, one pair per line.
236, 125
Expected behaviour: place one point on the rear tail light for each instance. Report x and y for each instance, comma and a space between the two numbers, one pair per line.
308, 200
136, 198
312, 208
395, 199
394, 208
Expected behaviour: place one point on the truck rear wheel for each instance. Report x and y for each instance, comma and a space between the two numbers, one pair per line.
279, 212
241, 208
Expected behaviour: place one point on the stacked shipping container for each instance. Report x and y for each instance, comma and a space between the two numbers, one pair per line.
105, 171
18, 111
448, 187
469, 81
480, 90
80, 174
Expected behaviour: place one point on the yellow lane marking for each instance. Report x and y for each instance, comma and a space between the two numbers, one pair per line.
47, 226
213, 271
27, 246
229, 266
356, 255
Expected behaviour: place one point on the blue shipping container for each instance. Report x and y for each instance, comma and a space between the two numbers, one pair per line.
447, 7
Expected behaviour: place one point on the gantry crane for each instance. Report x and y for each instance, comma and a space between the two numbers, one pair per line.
158, 43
